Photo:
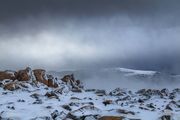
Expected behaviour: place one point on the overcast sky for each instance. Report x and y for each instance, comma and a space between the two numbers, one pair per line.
76, 34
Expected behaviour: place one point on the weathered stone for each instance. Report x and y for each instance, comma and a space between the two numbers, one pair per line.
107, 102
118, 92
23, 75
111, 118
40, 77
125, 112
35, 95
6, 75
51, 83
166, 117
51, 95
11, 86
67, 107
100, 92
38, 101
76, 90
55, 114
68, 78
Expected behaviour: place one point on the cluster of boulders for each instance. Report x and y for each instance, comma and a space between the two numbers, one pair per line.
12, 80
79, 108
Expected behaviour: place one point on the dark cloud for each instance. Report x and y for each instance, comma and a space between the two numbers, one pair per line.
57, 34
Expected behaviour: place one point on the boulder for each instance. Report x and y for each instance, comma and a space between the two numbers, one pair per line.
166, 117
100, 92
118, 92
83, 111
11, 86
6, 75
122, 111
52, 83
68, 78
51, 95
23, 75
107, 102
40, 76
76, 85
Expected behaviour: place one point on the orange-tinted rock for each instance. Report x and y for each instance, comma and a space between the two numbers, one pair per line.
23, 75
11, 86
111, 118
52, 84
68, 78
6, 75
40, 77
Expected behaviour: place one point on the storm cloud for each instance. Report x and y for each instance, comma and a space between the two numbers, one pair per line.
70, 34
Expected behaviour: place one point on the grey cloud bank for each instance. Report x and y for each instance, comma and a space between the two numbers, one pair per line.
83, 34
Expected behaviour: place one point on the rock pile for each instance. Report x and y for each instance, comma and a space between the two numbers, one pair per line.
13, 80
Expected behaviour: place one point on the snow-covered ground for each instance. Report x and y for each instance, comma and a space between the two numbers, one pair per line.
44, 103
22, 105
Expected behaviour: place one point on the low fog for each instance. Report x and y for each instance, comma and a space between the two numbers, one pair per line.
112, 78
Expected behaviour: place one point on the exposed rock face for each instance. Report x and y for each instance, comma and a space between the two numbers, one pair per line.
23, 75
51, 81
68, 78
6, 75
75, 84
11, 86
40, 76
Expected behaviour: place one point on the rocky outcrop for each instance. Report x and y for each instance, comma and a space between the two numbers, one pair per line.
11, 79
23, 75
76, 85
7, 75
11, 86
41, 76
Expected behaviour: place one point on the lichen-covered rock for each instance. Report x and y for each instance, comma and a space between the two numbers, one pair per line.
41, 77
23, 75
52, 83
6, 75
11, 86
